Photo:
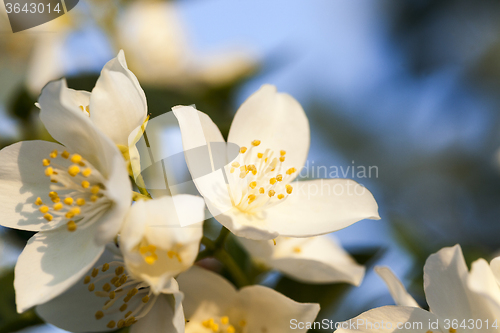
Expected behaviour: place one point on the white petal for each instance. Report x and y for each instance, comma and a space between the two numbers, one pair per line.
75, 309
266, 310
68, 124
315, 207
199, 133
396, 288
206, 294
159, 223
482, 281
391, 316
118, 104
276, 119
495, 268
22, 181
165, 316
312, 260
446, 290
51, 263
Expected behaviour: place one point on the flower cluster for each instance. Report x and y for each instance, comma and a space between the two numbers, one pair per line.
106, 257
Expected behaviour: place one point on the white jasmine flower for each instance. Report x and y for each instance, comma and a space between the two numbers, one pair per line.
318, 259
458, 300
76, 194
136, 287
259, 201
212, 304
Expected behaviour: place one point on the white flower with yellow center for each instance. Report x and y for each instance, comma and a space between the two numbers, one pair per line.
136, 287
117, 105
254, 197
212, 305
319, 259
459, 300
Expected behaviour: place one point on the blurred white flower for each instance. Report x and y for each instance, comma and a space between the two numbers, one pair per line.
154, 39
212, 304
458, 299
318, 259
259, 201
109, 297
76, 194
154, 245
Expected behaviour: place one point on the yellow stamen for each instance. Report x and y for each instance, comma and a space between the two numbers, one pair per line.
271, 193
243, 150
224, 320
49, 171
261, 190
111, 324
290, 171
251, 198
68, 201
53, 154
119, 270
128, 314
235, 165
86, 280
44, 209
95, 271
53, 195
80, 201
259, 155
230, 329
91, 287
48, 217
65, 154
74, 170
255, 143
253, 184
99, 315
94, 198
58, 206
46, 162
95, 189
272, 181
282, 153
38, 201
87, 172
145, 299
105, 267
279, 177
280, 196
71, 225
76, 158
120, 324
297, 249
274, 241
282, 159
289, 189
112, 295
123, 307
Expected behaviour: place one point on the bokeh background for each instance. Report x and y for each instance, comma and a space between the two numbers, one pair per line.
411, 87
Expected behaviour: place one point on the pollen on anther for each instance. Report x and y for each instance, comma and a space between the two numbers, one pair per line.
65, 154
261, 190
112, 295
281, 196
71, 225
87, 172
282, 159
85, 184
145, 299
289, 189
68, 201
46, 162
128, 314
271, 193
76, 158
94, 198
259, 155
86, 280
91, 287
80, 201
58, 206
282, 152
74, 170
123, 307
235, 165
95, 189
49, 171
111, 324
224, 320
255, 143
290, 171
119, 270
48, 217
105, 267
272, 181
53, 154
251, 198
99, 315
44, 209
243, 150
38, 201
95, 271
279, 177
120, 324
253, 184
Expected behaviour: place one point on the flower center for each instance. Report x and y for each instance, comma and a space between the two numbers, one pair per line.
77, 191
124, 294
216, 325
85, 110
257, 179
150, 253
